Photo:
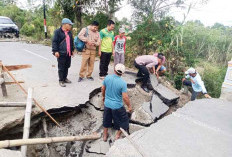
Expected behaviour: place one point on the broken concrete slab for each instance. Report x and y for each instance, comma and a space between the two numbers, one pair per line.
98, 147
156, 107
195, 130
140, 116
165, 94
135, 127
10, 153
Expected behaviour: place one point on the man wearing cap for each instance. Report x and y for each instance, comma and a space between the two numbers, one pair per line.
195, 82
119, 47
114, 92
62, 48
144, 64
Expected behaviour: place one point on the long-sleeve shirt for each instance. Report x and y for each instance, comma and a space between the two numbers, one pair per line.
92, 37
147, 60
59, 42
197, 83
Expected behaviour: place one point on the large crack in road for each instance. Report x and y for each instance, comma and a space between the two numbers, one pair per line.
85, 119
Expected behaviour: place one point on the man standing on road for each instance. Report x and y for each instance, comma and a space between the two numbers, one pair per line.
106, 48
62, 48
114, 92
119, 47
88, 56
144, 64
195, 82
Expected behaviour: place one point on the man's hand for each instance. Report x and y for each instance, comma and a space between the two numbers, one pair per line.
72, 54
207, 96
91, 43
157, 74
99, 53
183, 79
113, 52
57, 54
130, 109
192, 81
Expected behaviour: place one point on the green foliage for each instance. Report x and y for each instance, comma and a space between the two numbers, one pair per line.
27, 29
13, 12
213, 77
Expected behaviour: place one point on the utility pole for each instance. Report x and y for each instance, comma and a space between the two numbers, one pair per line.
45, 23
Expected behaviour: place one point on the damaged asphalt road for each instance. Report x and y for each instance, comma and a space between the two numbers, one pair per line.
71, 101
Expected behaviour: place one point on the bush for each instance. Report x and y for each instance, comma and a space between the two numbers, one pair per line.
27, 29
213, 77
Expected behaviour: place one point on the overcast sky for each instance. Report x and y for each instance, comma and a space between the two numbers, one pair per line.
214, 11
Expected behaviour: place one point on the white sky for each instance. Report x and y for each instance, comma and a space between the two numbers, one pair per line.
214, 11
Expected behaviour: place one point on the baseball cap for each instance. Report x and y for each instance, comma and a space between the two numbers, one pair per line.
191, 71
67, 21
120, 68
121, 30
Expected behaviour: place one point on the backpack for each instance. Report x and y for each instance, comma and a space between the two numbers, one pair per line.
79, 44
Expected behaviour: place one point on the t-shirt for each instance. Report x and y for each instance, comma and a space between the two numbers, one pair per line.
107, 40
147, 60
115, 86
198, 85
120, 44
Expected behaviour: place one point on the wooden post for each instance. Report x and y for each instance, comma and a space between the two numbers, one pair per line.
3, 85
36, 103
14, 143
27, 121
133, 143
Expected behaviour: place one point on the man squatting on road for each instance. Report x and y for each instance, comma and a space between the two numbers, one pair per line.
62, 48
144, 64
114, 92
195, 82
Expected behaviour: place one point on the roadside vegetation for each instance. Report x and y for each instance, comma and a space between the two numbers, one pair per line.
150, 29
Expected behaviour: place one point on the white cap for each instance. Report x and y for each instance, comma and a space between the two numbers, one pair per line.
121, 30
191, 71
120, 68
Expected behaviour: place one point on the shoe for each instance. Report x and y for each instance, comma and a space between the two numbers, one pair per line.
61, 83
67, 81
150, 87
80, 79
138, 80
90, 78
145, 89
102, 77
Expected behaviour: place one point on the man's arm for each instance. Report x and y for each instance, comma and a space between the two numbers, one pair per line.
98, 42
127, 101
103, 89
99, 49
204, 91
113, 48
81, 35
55, 44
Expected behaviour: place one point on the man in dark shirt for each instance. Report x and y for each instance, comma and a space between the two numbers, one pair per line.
62, 48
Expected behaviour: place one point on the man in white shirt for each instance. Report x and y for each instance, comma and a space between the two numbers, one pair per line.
195, 82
